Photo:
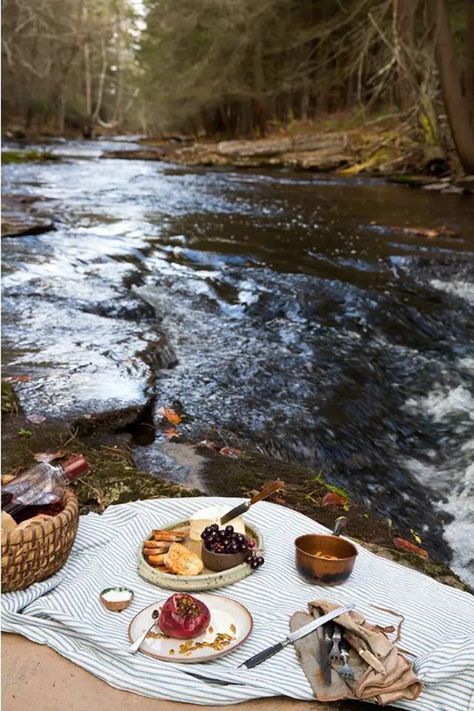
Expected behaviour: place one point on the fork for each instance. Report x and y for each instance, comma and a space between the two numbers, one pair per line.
335, 653
346, 672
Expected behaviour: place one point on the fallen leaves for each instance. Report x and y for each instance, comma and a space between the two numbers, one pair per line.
172, 434
170, 415
36, 419
332, 498
16, 379
430, 233
47, 457
232, 452
410, 547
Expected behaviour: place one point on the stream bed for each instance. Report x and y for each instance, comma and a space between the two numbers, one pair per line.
290, 310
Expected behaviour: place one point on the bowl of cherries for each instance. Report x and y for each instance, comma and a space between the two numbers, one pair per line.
223, 548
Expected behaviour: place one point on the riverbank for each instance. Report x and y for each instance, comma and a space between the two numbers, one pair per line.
114, 479
382, 151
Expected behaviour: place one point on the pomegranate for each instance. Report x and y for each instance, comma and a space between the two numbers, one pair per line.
183, 616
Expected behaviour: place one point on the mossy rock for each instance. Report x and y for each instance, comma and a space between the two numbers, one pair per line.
27, 157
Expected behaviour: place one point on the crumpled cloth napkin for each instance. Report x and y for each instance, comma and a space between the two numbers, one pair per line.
394, 682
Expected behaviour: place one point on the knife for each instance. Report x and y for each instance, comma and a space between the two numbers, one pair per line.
242, 508
294, 636
325, 644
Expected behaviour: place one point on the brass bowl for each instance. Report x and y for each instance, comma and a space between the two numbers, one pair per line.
221, 561
331, 571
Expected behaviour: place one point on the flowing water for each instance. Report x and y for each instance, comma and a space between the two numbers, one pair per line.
291, 310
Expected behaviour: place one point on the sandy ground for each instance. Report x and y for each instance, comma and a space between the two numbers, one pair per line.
36, 677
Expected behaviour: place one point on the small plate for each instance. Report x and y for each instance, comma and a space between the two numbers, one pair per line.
227, 616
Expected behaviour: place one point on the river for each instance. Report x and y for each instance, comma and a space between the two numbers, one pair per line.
288, 309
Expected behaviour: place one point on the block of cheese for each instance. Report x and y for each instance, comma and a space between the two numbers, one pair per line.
206, 517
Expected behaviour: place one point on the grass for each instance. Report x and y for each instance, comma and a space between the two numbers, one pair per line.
9, 157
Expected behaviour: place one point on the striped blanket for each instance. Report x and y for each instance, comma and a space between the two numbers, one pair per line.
64, 612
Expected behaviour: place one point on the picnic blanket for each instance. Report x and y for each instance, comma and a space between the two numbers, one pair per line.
64, 612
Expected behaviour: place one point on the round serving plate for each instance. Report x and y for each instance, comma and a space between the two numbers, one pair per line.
207, 580
228, 617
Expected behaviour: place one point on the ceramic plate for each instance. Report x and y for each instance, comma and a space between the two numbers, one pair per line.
227, 616
207, 580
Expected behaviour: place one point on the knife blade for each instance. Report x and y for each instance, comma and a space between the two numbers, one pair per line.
325, 644
266, 491
294, 636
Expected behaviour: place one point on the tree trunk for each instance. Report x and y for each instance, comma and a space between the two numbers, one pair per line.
404, 31
458, 102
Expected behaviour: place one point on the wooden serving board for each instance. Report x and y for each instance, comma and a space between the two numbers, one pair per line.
207, 579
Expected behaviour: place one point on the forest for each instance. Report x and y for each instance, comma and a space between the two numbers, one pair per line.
233, 68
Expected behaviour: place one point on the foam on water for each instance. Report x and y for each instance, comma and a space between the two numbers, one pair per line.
451, 477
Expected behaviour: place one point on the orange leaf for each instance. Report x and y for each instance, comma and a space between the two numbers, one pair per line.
333, 499
48, 456
170, 415
408, 546
16, 379
230, 452
171, 433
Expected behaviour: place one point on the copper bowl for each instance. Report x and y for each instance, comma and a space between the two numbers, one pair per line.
330, 571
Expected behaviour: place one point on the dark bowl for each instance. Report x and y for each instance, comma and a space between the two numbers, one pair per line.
221, 561
323, 570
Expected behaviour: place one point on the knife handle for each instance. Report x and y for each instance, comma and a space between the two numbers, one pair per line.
262, 656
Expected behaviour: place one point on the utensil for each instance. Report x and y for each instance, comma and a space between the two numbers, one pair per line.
294, 636
325, 643
346, 672
335, 653
133, 649
365, 653
230, 620
267, 490
340, 556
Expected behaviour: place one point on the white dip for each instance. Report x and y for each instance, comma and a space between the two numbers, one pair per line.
117, 595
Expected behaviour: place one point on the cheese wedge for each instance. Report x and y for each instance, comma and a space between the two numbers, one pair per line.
206, 517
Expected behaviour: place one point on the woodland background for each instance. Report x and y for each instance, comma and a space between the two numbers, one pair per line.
231, 68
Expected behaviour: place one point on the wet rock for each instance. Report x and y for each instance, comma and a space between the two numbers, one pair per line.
25, 225
20, 218
466, 183
139, 154
131, 309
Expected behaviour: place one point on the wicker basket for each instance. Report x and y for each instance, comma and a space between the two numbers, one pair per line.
36, 552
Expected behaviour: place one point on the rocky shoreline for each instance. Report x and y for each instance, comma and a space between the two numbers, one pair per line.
342, 152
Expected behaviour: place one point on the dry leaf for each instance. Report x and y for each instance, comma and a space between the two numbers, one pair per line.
170, 415
230, 452
36, 419
48, 456
171, 433
17, 379
7, 478
409, 546
333, 499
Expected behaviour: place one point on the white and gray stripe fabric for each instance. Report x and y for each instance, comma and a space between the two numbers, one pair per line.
64, 612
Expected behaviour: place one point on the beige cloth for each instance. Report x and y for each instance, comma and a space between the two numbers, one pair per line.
393, 679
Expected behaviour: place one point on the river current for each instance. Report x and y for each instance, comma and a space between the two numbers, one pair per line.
301, 318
